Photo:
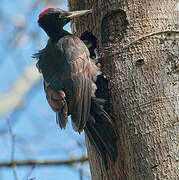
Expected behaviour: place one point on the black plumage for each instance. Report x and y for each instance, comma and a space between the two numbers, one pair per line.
69, 82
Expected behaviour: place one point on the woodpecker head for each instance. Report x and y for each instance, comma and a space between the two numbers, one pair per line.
52, 20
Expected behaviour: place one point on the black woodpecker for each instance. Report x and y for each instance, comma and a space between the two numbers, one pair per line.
69, 82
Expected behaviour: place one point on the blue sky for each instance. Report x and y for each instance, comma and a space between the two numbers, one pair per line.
37, 135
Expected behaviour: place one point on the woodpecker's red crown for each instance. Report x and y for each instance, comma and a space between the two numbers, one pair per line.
46, 10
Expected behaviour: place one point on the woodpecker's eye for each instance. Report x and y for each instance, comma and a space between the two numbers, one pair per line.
60, 16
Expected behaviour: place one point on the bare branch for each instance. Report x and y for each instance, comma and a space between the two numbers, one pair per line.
69, 162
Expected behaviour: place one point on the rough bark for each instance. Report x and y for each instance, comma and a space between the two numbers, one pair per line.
138, 45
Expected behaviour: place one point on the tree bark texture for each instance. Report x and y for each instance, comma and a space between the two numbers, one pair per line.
138, 48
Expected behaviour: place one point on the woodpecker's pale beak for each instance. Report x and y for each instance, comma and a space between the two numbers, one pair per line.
75, 14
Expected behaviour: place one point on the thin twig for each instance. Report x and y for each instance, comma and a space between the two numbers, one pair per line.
30, 172
81, 173
12, 149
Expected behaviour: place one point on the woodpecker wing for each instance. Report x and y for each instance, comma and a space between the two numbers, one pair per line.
78, 65
66, 66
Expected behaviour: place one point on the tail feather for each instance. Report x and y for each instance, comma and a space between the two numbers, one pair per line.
100, 131
107, 141
94, 139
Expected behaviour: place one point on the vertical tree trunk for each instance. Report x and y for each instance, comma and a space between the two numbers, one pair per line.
138, 45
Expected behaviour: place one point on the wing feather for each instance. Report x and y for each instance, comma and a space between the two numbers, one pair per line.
79, 64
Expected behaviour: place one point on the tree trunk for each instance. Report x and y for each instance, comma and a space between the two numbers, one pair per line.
138, 47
